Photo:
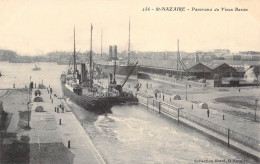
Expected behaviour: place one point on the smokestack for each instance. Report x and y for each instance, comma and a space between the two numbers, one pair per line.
110, 53
83, 71
115, 52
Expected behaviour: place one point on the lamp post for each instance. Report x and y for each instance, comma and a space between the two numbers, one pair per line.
256, 101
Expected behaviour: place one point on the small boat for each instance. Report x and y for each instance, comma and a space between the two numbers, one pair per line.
36, 68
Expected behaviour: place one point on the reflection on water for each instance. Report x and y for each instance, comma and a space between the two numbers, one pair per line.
131, 134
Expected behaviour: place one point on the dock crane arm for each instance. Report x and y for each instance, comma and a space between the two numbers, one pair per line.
127, 77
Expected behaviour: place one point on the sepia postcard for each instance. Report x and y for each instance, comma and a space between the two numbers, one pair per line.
135, 82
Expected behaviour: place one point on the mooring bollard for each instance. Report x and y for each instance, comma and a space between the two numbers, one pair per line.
55, 109
223, 117
69, 144
50, 96
60, 121
192, 106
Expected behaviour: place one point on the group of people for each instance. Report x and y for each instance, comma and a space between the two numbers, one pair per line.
49, 90
60, 108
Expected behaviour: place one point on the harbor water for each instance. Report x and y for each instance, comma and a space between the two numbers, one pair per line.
132, 133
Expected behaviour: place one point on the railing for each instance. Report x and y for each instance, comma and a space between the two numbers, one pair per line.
172, 111
205, 123
246, 140
255, 144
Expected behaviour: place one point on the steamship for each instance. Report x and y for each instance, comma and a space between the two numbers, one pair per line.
79, 86
123, 67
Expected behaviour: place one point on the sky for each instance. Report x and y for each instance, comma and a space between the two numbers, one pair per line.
36, 27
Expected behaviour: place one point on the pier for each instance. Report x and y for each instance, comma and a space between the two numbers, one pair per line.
57, 126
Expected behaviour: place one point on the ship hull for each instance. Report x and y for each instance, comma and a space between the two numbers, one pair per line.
120, 70
100, 105
97, 105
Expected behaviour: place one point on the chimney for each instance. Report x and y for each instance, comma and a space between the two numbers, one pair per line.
110, 53
115, 52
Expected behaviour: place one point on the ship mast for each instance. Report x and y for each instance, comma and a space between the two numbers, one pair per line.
90, 59
74, 54
114, 78
181, 68
101, 43
128, 54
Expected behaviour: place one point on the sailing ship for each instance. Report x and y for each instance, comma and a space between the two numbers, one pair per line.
123, 67
36, 67
79, 86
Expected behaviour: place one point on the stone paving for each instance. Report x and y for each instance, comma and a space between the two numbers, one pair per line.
46, 128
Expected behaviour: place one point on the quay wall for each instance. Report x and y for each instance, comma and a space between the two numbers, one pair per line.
227, 136
166, 79
169, 80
